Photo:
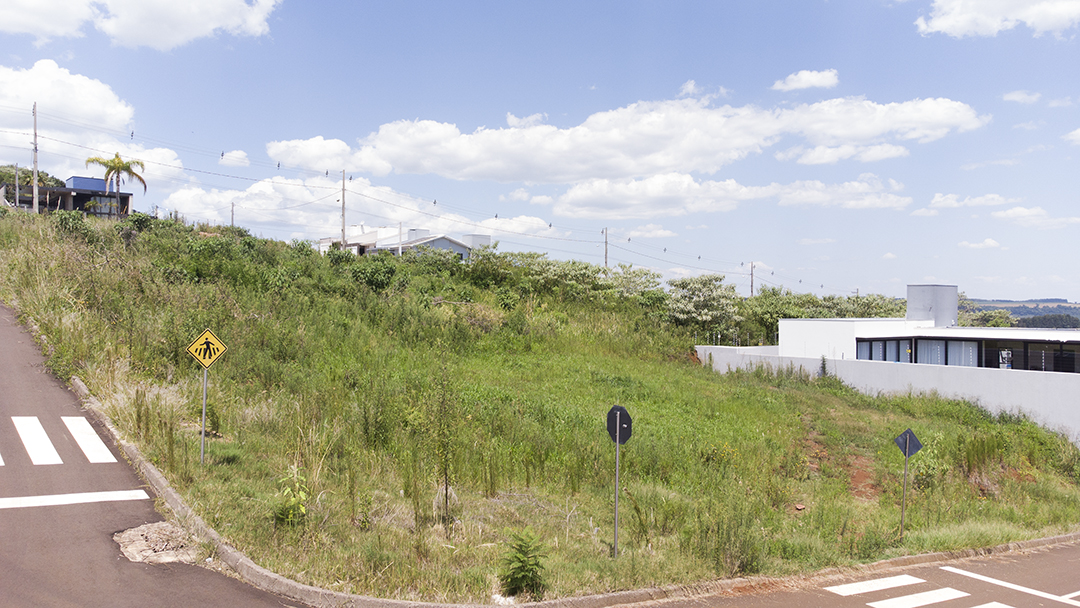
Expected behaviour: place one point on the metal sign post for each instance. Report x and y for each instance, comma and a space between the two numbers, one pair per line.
619, 428
909, 444
206, 349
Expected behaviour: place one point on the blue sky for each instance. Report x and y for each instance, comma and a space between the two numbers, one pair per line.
838, 146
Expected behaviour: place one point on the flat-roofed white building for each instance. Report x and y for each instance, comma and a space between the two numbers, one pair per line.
1035, 371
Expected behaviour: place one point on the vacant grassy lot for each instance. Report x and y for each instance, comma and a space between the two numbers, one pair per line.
382, 425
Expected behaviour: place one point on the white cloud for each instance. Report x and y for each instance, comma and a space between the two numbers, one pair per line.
639, 140
1073, 137
689, 89
45, 18
867, 192
806, 79
959, 18
677, 194
650, 231
667, 194
64, 99
236, 158
310, 209
521, 194
1008, 162
816, 241
889, 256
925, 212
1034, 217
826, 155
158, 24
952, 201
1064, 102
986, 244
1022, 96
529, 121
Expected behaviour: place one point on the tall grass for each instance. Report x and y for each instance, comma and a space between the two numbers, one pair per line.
431, 406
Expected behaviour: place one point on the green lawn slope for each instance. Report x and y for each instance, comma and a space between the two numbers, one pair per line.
385, 426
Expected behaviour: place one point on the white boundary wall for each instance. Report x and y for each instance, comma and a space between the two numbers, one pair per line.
1051, 399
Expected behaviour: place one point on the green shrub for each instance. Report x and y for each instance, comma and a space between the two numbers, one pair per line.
377, 272
522, 567
71, 222
291, 508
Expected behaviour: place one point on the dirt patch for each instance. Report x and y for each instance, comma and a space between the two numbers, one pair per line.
157, 543
861, 474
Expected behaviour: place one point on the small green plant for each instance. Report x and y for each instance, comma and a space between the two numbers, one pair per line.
292, 504
71, 222
522, 568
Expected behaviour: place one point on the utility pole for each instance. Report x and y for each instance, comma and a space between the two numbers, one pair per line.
16, 185
605, 247
232, 215
343, 209
400, 238
35, 160
751, 279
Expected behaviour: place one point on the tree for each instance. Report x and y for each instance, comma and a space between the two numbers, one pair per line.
26, 177
116, 169
970, 315
704, 302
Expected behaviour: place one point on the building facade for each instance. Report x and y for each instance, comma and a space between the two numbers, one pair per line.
1033, 371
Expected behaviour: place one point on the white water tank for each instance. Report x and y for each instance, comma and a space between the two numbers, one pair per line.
937, 303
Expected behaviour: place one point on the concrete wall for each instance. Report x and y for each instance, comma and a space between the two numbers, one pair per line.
835, 338
1051, 399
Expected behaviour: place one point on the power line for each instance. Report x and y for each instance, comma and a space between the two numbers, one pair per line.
697, 262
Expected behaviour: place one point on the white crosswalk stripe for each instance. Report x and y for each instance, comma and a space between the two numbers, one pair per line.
878, 584
41, 450
914, 600
35, 440
88, 440
920, 599
80, 498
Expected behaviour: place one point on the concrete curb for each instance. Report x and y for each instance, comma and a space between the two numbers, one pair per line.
317, 597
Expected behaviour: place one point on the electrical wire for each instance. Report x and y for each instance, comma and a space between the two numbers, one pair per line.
640, 250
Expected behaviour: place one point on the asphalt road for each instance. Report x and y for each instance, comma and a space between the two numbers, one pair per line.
1043, 577
60, 555
64, 492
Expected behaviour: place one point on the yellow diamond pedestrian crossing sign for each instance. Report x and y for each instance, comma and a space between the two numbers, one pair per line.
207, 349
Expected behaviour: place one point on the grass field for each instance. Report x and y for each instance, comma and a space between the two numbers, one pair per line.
384, 426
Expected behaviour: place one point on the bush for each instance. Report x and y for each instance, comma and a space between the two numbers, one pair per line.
377, 272
292, 505
522, 566
71, 222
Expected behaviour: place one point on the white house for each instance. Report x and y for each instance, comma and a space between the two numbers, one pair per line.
363, 240
1035, 371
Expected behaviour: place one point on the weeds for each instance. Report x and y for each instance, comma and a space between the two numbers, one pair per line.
291, 508
420, 405
522, 567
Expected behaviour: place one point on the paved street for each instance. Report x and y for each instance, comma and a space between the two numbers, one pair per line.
1043, 577
64, 492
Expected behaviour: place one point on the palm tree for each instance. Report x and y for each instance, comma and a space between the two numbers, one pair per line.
116, 169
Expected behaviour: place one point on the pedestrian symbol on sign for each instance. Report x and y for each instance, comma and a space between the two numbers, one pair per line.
206, 349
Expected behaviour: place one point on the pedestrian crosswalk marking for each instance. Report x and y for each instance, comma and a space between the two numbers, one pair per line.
993, 605
1014, 587
874, 585
88, 439
53, 500
41, 449
920, 599
35, 440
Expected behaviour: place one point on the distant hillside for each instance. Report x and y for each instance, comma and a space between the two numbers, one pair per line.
1031, 308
